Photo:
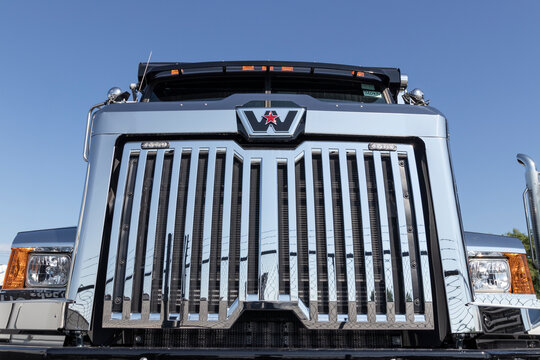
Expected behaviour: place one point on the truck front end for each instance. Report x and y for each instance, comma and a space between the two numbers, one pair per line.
269, 209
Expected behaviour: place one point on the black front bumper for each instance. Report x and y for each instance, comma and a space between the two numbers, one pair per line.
29, 352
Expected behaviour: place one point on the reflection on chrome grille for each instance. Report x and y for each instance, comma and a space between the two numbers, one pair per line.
333, 232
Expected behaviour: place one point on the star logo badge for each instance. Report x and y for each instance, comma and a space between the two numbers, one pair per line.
271, 117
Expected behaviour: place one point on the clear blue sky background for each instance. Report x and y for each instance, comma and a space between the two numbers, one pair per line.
478, 62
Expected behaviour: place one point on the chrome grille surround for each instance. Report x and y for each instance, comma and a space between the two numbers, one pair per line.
191, 307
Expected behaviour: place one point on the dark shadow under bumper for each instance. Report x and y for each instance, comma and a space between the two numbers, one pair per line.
29, 352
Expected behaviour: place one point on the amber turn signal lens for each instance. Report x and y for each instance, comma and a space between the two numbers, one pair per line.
16, 269
521, 276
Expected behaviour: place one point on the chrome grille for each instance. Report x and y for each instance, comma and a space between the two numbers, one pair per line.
332, 231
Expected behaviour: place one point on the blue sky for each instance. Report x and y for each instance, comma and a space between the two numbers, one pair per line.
479, 63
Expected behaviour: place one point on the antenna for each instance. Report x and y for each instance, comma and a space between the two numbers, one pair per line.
146, 68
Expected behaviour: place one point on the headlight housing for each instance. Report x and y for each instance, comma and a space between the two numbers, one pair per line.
500, 273
490, 275
47, 270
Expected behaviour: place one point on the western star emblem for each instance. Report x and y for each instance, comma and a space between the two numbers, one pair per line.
271, 117
277, 123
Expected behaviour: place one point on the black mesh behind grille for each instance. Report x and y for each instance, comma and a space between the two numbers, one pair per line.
254, 227
301, 231
215, 246
283, 229
339, 235
266, 330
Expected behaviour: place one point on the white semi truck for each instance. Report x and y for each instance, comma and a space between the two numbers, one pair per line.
269, 209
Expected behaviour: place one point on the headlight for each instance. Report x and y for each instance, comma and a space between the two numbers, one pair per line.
47, 270
490, 275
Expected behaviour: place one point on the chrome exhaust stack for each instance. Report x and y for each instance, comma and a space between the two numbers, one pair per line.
531, 203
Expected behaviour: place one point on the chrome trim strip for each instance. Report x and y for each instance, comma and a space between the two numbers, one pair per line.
226, 226
268, 230
207, 230
190, 212
421, 229
366, 231
310, 210
117, 218
403, 236
244, 229
293, 245
385, 235
152, 225
348, 233
171, 216
329, 220
134, 225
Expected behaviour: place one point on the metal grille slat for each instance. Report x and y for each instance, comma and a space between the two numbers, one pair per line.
126, 167
142, 236
366, 231
244, 230
403, 236
189, 229
421, 229
175, 224
197, 237
226, 232
207, 232
152, 224
134, 225
385, 235
235, 234
393, 231
311, 234
306, 278
294, 264
254, 232
348, 237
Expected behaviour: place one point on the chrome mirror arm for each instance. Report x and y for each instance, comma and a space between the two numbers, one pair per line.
89, 129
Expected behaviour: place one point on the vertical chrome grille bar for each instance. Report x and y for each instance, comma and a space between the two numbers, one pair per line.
268, 233
293, 248
385, 236
171, 216
403, 237
133, 229
190, 213
420, 226
244, 230
330, 246
226, 233
312, 244
151, 234
207, 232
347, 227
117, 218
366, 231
